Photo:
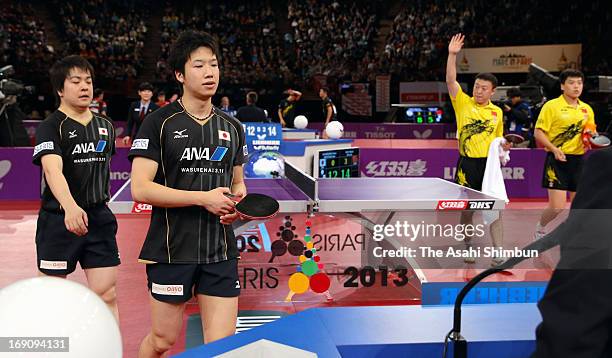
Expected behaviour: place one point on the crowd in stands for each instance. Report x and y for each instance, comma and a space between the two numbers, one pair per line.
110, 34
416, 46
272, 45
251, 47
334, 38
419, 37
23, 42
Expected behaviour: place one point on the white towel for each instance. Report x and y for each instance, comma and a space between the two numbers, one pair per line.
493, 181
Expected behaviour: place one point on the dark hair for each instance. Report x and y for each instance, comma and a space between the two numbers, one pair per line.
186, 44
61, 70
161, 93
98, 92
252, 97
513, 92
485, 76
145, 86
565, 74
325, 89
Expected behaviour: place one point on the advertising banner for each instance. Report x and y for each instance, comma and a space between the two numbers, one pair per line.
522, 175
553, 58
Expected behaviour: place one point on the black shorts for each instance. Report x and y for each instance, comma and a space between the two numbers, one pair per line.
470, 172
58, 250
562, 175
176, 283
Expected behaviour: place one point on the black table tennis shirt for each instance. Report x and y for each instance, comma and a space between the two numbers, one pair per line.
86, 151
193, 157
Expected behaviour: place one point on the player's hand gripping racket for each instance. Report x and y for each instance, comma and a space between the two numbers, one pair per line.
591, 139
599, 141
255, 206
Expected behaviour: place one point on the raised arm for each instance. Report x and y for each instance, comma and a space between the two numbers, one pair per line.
455, 45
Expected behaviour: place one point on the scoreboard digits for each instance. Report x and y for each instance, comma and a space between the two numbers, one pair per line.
338, 163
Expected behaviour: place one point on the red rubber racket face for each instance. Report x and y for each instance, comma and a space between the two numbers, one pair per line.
600, 141
257, 206
514, 138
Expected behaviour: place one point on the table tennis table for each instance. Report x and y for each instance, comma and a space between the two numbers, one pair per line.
299, 192
370, 200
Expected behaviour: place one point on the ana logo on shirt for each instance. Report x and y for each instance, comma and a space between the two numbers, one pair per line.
195, 153
84, 148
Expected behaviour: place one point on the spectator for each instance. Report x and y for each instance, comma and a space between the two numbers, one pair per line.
225, 106
97, 104
519, 119
139, 110
250, 112
161, 99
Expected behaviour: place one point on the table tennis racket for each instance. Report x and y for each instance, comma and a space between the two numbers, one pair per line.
514, 138
255, 206
599, 141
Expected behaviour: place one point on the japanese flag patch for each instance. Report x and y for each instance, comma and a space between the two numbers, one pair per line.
224, 135
103, 131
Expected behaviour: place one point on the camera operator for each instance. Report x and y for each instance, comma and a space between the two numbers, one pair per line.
12, 131
519, 118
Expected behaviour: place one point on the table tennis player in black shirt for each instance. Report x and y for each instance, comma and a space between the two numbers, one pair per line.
74, 148
186, 157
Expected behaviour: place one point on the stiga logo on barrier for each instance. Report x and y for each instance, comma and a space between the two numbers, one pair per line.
140, 208
452, 205
465, 205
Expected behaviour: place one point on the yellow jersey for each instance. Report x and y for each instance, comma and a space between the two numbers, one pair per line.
477, 125
563, 124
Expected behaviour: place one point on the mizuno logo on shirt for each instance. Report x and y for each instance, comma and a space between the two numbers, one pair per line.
179, 134
72, 134
195, 153
84, 148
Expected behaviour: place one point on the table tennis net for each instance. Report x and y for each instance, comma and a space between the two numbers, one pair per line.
303, 181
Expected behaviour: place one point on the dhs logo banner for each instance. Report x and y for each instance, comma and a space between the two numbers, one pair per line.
481, 204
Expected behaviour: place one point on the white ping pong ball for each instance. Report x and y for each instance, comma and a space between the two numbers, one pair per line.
300, 122
334, 130
55, 307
